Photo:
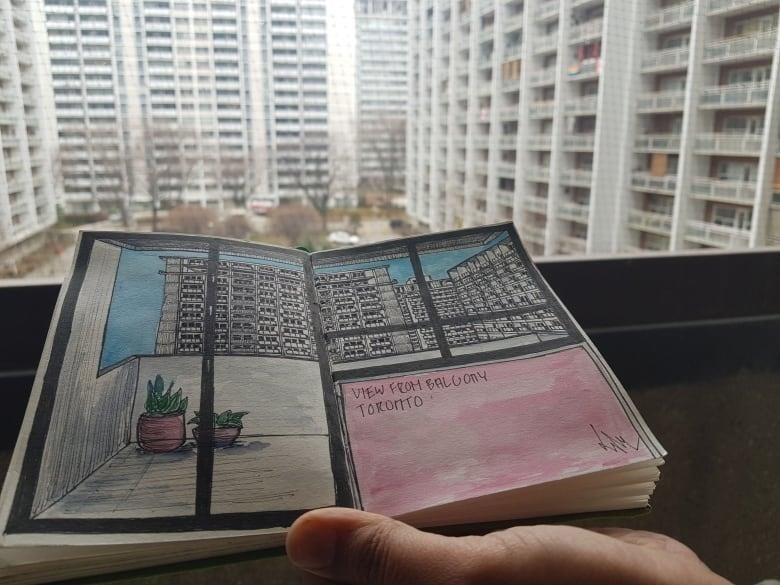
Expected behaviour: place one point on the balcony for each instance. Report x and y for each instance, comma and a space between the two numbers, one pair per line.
480, 193
481, 141
587, 31
720, 236
543, 77
509, 113
582, 106
513, 22
506, 169
742, 95
577, 177
657, 142
650, 221
665, 60
571, 245
573, 212
583, 70
547, 10
508, 140
729, 144
538, 174
579, 142
486, 34
534, 204
513, 51
546, 43
666, 184
462, 68
741, 48
541, 109
510, 84
717, 7
539, 141
505, 197
532, 233
739, 192
481, 167
661, 101
672, 17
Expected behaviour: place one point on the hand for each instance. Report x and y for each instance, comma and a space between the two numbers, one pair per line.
341, 546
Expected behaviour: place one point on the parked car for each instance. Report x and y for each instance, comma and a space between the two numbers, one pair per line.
262, 205
343, 238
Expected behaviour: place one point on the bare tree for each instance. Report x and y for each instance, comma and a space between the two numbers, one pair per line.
293, 222
239, 175
388, 145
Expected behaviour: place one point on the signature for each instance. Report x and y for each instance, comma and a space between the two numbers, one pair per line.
615, 443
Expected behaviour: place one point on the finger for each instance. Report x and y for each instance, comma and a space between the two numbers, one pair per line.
651, 540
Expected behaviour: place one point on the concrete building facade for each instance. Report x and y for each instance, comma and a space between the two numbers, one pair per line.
597, 126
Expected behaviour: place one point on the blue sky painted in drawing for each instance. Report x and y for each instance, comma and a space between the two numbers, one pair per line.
434, 264
131, 327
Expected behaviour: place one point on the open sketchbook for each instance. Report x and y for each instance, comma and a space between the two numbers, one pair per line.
198, 394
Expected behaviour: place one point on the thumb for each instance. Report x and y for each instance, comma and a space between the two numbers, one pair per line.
349, 546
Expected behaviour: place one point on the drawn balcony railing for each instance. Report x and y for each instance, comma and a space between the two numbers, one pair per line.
532, 233
665, 59
731, 144
535, 204
580, 106
542, 109
723, 6
740, 95
545, 43
577, 177
579, 142
650, 221
713, 234
571, 245
741, 192
666, 184
657, 142
742, 47
543, 77
661, 101
676, 15
537, 173
539, 141
505, 197
586, 31
573, 211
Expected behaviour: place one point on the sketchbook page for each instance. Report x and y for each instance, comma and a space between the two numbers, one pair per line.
460, 374
154, 336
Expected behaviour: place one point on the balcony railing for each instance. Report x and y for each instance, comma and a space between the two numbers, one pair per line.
712, 234
505, 197
650, 221
481, 141
573, 212
658, 184
743, 47
721, 6
539, 141
735, 95
584, 69
543, 77
571, 245
513, 21
582, 106
506, 169
733, 144
532, 233
486, 34
583, 142
513, 51
661, 101
743, 192
509, 112
577, 177
546, 43
547, 9
537, 173
541, 109
510, 84
481, 167
509, 140
674, 15
665, 59
534, 204
586, 31
657, 142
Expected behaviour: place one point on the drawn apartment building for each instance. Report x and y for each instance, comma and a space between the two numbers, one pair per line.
259, 310
488, 297
597, 126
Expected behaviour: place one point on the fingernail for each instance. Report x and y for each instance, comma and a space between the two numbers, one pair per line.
311, 545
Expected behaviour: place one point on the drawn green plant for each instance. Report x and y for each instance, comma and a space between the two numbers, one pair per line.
160, 402
224, 420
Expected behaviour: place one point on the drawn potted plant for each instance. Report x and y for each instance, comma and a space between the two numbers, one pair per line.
161, 427
227, 427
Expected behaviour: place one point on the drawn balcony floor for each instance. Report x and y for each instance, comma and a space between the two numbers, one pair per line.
255, 473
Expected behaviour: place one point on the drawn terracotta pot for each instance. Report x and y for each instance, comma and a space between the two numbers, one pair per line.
161, 433
223, 436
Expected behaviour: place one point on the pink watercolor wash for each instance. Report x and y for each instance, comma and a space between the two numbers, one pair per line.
529, 422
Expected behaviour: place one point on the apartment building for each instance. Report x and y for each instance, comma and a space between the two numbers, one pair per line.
27, 205
381, 69
598, 126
